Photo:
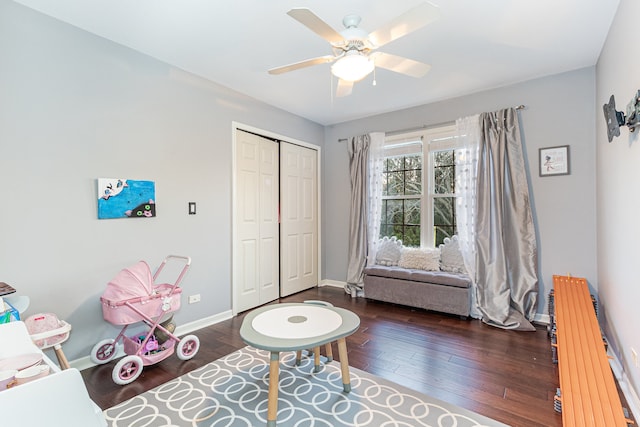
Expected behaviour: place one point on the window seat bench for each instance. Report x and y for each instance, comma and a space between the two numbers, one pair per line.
431, 290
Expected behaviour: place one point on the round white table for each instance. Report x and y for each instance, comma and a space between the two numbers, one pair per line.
293, 327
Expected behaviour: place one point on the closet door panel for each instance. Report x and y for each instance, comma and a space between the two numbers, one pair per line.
269, 265
299, 228
256, 275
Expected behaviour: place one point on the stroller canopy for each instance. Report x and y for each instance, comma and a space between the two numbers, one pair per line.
135, 281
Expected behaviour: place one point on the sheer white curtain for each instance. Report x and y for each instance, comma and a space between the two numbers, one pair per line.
365, 169
376, 157
468, 135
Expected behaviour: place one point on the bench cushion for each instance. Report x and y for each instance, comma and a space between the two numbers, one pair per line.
435, 277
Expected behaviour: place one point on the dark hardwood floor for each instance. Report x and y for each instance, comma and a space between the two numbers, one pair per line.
505, 375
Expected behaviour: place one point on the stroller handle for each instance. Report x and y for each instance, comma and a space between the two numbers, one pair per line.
185, 258
187, 263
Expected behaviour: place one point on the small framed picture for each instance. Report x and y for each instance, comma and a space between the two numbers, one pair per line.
554, 161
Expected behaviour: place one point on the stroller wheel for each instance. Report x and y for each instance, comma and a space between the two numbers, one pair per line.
127, 370
188, 347
103, 352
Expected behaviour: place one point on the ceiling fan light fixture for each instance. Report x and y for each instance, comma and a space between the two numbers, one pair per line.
353, 66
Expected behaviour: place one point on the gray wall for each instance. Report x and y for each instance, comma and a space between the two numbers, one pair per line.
559, 110
75, 107
618, 178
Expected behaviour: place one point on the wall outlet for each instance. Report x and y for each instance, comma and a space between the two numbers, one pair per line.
194, 298
634, 357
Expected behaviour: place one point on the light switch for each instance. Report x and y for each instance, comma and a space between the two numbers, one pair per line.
192, 208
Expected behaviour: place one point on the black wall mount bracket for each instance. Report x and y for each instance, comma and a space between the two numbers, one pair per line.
615, 119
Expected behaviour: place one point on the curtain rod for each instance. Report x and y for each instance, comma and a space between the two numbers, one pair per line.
395, 132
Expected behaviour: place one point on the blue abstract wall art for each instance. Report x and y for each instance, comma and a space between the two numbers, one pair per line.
126, 198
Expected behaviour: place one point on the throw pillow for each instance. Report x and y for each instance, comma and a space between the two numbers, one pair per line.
420, 259
388, 251
450, 256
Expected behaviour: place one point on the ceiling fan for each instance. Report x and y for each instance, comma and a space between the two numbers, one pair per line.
354, 51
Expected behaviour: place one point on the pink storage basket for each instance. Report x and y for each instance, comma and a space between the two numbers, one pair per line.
46, 330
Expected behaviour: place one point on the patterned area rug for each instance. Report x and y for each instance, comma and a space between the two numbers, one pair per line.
232, 392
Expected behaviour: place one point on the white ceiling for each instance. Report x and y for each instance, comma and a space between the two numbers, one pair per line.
475, 45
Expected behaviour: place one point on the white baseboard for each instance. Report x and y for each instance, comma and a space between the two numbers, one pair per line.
85, 362
633, 402
333, 283
542, 318
187, 328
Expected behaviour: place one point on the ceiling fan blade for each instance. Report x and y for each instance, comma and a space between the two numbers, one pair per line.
409, 21
310, 20
302, 64
344, 88
399, 64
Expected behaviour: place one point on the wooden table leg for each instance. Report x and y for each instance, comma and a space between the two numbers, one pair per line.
62, 359
274, 373
316, 359
329, 352
344, 364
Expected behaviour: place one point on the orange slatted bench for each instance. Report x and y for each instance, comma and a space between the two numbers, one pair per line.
588, 393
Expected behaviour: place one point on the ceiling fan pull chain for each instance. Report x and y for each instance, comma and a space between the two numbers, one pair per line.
331, 80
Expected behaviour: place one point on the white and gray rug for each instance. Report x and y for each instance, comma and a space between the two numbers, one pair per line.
232, 392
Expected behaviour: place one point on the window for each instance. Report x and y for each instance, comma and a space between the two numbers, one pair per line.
418, 196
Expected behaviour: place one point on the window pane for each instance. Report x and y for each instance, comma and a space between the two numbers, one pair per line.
412, 212
383, 231
398, 231
383, 219
444, 210
395, 183
442, 232
385, 183
444, 218
394, 212
413, 184
444, 158
401, 219
444, 172
444, 180
413, 162
411, 236
395, 164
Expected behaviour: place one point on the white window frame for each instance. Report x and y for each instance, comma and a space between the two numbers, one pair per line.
430, 140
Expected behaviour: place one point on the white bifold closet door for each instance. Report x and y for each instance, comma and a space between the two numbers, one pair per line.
299, 218
256, 238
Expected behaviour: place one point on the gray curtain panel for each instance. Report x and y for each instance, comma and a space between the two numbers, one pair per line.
358, 148
506, 243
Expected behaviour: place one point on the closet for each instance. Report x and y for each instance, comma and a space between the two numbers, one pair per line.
275, 217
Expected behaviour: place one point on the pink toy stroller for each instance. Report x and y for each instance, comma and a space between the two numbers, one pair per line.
131, 297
